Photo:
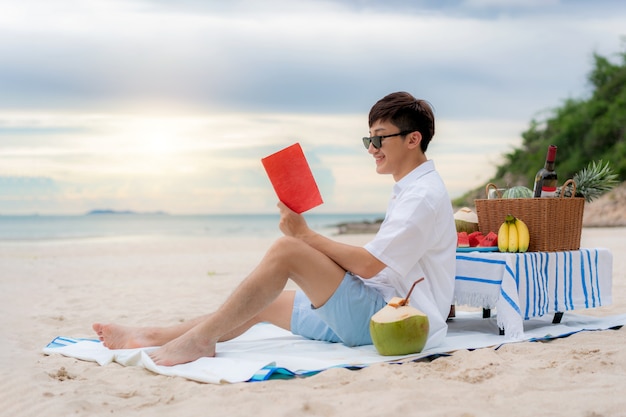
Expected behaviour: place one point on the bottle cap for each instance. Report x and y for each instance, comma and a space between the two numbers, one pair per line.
551, 153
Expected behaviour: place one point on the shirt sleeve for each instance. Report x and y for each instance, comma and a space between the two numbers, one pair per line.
404, 235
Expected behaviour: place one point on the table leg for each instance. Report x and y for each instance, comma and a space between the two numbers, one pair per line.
452, 312
487, 314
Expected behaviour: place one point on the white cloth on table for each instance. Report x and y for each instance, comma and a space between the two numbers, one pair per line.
524, 285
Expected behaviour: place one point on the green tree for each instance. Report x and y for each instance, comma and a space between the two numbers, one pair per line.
584, 130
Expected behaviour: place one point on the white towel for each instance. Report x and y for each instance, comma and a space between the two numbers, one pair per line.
266, 351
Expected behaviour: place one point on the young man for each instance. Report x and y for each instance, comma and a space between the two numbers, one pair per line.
342, 286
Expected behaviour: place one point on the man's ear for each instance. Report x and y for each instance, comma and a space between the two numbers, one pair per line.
414, 139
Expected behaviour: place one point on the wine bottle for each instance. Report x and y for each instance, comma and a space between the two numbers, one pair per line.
546, 178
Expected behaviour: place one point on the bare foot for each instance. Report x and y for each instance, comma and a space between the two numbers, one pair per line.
186, 348
115, 336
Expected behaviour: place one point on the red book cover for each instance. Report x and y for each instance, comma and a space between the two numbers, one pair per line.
292, 179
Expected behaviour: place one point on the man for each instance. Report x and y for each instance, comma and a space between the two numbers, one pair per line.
342, 286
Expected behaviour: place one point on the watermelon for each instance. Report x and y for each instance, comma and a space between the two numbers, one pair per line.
475, 238
491, 239
462, 240
518, 191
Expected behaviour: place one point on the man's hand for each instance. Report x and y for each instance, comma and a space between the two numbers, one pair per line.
293, 224
351, 258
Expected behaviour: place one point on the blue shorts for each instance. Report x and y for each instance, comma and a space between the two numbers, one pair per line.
345, 317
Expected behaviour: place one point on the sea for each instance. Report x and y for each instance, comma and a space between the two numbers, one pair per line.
102, 225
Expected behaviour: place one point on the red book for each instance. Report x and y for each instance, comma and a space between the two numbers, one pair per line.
292, 179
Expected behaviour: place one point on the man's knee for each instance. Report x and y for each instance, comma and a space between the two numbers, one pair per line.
286, 246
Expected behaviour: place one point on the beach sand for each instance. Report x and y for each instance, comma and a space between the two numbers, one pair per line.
57, 288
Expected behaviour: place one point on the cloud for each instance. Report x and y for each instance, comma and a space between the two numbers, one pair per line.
16, 187
16, 193
279, 57
189, 164
141, 104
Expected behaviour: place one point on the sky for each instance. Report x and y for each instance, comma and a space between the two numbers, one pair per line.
159, 105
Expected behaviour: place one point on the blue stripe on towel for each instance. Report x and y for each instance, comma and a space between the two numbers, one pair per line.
527, 279
273, 372
506, 296
591, 278
593, 274
556, 283
535, 288
582, 281
511, 302
480, 260
568, 300
597, 279
487, 261
481, 280
66, 341
543, 299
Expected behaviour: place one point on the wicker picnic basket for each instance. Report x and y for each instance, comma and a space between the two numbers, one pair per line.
555, 224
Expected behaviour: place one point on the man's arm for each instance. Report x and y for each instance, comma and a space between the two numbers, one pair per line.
351, 258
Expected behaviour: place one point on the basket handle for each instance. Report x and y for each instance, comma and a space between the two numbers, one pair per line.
495, 187
565, 184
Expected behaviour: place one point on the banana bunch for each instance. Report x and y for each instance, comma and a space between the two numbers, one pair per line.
513, 235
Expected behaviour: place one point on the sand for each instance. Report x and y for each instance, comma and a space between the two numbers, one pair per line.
608, 210
59, 288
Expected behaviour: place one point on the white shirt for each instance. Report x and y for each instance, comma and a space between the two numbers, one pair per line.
418, 239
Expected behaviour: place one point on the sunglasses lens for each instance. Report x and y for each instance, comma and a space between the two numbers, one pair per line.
374, 140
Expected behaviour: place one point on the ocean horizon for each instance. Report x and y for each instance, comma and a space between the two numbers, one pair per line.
103, 223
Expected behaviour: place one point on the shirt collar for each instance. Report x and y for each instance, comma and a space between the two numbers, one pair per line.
412, 176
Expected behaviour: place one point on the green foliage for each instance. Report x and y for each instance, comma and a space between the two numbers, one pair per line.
584, 130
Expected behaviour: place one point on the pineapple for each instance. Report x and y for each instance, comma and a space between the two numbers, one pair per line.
591, 182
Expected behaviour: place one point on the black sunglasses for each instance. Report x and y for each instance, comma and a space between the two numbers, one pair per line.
377, 141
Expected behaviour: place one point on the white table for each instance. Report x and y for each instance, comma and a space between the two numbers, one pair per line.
524, 285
